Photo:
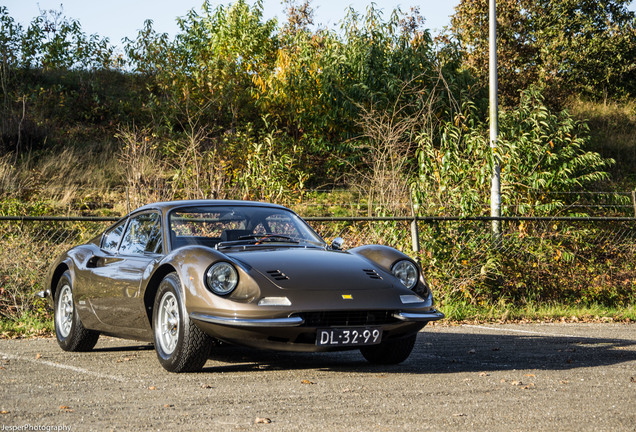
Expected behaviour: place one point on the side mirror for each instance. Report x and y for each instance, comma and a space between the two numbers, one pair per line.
337, 243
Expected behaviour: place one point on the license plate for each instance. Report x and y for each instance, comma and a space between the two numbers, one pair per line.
348, 336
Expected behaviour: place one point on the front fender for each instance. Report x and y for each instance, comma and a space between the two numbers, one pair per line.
191, 264
385, 257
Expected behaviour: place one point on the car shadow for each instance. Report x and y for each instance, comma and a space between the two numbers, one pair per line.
444, 352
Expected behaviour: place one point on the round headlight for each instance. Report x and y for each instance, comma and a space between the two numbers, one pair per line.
221, 278
406, 272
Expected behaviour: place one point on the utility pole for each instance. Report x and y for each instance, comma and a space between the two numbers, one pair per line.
495, 188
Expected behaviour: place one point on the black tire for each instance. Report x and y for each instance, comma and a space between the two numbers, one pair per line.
180, 345
69, 330
390, 352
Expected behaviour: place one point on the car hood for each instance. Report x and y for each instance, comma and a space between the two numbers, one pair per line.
314, 269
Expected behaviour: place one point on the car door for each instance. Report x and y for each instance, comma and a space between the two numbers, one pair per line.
116, 296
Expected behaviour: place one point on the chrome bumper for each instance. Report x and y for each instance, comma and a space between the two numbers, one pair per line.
248, 322
433, 315
296, 321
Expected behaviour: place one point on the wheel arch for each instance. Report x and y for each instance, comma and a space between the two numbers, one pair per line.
153, 286
61, 268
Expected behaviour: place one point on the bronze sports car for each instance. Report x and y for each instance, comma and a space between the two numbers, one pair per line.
185, 275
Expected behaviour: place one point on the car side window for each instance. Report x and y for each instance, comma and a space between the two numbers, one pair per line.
143, 235
111, 238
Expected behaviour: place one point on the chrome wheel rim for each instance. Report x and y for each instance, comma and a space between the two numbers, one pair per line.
168, 323
64, 311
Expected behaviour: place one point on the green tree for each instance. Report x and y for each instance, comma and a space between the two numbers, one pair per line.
56, 80
584, 46
230, 69
206, 72
10, 35
324, 81
588, 45
53, 41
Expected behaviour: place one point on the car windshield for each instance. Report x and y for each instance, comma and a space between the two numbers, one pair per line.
229, 226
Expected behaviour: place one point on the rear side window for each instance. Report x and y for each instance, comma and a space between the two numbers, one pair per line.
111, 238
143, 235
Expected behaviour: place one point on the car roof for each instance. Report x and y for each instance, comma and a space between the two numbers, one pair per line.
166, 206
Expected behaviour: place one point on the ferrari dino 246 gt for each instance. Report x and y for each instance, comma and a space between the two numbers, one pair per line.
186, 274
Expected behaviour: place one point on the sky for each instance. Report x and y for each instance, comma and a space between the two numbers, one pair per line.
117, 19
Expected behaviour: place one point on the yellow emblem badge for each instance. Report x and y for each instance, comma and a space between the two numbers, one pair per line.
347, 297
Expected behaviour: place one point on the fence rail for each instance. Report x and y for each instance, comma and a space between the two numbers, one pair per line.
578, 259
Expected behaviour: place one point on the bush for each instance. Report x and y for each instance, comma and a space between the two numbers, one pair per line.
539, 152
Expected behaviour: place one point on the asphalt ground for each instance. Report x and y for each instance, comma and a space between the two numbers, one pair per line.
538, 377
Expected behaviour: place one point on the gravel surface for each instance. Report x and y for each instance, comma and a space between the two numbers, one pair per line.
566, 377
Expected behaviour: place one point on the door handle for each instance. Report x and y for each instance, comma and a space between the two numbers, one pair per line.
100, 261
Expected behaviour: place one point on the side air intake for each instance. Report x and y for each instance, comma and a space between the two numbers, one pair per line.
372, 273
277, 275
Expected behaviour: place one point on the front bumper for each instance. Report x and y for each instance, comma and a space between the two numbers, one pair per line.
248, 322
432, 315
295, 321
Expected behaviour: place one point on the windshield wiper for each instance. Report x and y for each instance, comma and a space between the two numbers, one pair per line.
257, 240
268, 238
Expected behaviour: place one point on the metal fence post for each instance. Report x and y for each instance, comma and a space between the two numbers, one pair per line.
495, 188
415, 233
634, 201
415, 236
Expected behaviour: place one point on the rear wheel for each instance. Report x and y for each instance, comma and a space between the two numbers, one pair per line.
69, 330
390, 352
180, 345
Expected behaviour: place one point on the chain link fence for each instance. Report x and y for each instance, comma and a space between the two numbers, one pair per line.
538, 259
581, 260
28, 247
322, 202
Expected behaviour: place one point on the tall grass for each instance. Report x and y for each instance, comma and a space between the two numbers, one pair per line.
612, 134
535, 311
66, 181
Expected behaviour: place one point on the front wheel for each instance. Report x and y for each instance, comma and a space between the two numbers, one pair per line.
180, 345
390, 352
69, 330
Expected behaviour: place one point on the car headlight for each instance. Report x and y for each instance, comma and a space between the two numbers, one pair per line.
406, 272
221, 278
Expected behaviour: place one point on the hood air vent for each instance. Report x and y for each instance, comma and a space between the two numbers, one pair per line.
372, 273
277, 275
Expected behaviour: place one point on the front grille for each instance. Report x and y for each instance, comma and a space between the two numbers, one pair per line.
347, 318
